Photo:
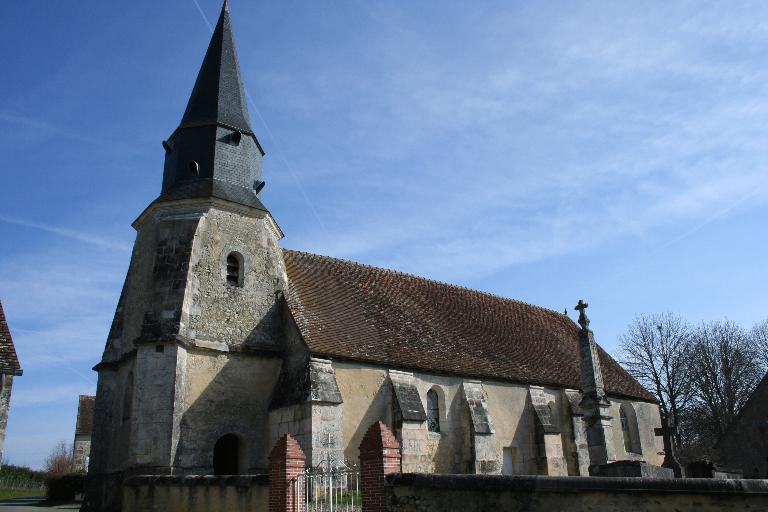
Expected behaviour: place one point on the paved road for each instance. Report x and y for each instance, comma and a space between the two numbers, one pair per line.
32, 505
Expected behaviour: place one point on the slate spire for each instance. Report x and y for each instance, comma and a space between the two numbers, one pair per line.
218, 96
214, 152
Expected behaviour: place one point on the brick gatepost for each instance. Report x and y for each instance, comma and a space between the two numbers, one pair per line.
286, 463
379, 457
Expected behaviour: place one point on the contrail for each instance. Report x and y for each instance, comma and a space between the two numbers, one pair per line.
68, 233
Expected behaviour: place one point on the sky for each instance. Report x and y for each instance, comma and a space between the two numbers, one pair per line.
544, 151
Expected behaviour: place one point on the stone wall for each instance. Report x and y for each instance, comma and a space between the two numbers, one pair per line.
6, 385
224, 393
82, 452
247, 316
475, 493
196, 494
511, 448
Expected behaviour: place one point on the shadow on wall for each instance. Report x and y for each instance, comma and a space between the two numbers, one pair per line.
450, 451
380, 409
230, 395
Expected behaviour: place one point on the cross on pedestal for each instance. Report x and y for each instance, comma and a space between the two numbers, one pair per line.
583, 320
666, 431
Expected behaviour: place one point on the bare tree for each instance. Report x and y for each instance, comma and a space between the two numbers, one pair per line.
759, 335
61, 460
724, 370
655, 350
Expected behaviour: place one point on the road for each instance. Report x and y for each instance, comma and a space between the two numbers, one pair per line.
32, 505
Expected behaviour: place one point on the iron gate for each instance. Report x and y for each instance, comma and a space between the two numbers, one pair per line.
328, 488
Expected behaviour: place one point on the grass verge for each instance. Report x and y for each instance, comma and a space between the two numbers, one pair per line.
8, 494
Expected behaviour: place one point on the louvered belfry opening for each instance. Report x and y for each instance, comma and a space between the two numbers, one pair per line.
233, 270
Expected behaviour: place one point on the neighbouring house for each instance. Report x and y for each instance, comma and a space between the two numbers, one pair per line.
222, 341
83, 428
9, 368
744, 445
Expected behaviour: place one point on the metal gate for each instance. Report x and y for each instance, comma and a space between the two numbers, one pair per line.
328, 488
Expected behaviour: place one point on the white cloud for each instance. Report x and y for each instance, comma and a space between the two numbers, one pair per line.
590, 126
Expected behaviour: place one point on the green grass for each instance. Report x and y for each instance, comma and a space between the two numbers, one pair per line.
7, 494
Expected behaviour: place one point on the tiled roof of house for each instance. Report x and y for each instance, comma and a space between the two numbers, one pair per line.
85, 414
9, 363
351, 311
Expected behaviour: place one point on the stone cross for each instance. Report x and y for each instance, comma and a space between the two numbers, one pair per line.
666, 431
329, 445
583, 320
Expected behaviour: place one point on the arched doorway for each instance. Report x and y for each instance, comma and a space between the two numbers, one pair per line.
226, 455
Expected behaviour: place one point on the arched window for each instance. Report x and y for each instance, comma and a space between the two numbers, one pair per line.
226, 455
433, 411
234, 269
629, 428
128, 397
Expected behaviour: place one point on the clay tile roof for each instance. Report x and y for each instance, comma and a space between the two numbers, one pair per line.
9, 363
351, 311
85, 414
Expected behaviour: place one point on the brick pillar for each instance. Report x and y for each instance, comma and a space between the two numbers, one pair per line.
286, 463
379, 457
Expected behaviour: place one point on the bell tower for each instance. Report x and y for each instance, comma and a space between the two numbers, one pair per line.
196, 336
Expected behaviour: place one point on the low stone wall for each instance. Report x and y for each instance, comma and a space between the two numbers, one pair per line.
196, 494
475, 493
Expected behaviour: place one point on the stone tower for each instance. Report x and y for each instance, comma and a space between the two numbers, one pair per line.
193, 352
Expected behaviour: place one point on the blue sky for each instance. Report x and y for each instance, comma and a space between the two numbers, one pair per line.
544, 151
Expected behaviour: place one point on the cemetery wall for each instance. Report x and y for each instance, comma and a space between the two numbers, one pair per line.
476, 493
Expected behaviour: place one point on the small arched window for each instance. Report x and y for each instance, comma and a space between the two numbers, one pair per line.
629, 428
234, 269
433, 411
226, 455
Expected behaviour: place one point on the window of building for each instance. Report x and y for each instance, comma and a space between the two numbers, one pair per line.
226, 455
629, 428
234, 269
433, 411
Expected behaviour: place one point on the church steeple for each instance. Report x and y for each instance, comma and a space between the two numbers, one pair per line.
218, 96
214, 152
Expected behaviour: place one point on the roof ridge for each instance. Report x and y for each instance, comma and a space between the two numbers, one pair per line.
428, 280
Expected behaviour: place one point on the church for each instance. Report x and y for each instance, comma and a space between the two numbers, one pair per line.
222, 341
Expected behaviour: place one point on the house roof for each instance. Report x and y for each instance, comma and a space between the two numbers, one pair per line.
85, 414
351, 311
9, 363
755, 402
